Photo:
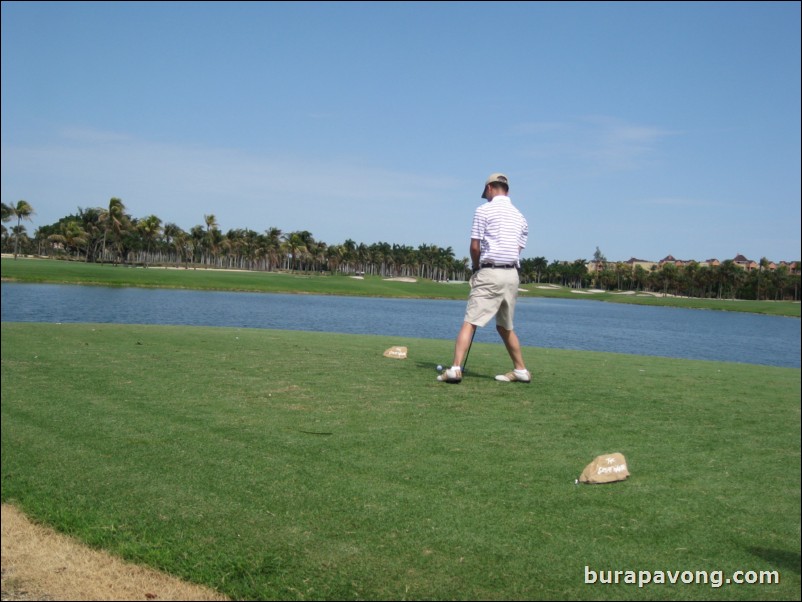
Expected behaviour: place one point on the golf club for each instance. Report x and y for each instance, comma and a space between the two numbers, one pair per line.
467, 353
439, 367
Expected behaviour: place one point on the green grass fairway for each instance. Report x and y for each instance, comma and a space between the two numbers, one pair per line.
299, 466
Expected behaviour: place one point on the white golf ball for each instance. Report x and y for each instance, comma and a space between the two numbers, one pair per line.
439, 368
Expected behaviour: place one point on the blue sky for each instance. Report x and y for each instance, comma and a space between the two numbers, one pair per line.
643, 129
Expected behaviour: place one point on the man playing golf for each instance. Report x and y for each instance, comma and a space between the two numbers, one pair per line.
498, 235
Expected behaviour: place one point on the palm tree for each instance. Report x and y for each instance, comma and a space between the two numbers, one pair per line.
362, 256
171, 233
445, 263
272, 247
90, 222
234, 243
404, 258
21, 211
250, 247
7, 216
298, 245
426, 254
20, 236
578, 271
150, 229
197, 236
71, 236
334, 257
686, 278
349, 254
540, 265
319, 253
115, 222
184, 249
730, 276
212, 237
640, 278
600, 263
764, 265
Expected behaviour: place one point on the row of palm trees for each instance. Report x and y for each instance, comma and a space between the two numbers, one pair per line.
725, 281
110, 235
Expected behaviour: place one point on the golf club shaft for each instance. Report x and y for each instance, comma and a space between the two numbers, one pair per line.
467, 353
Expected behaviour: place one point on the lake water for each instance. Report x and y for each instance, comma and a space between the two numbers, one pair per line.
556, 323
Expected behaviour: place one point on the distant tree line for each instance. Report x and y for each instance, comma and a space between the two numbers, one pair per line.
724, 281
110, 235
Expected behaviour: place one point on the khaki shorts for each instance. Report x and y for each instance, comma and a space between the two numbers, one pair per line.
493, 293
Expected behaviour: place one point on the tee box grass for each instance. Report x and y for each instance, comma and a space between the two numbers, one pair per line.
291, 465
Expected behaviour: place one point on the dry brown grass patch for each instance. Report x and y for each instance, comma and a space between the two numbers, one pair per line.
40, 564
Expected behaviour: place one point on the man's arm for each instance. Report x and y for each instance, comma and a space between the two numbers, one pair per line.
476, 252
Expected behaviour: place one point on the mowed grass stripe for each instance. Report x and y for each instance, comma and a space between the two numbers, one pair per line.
292, 465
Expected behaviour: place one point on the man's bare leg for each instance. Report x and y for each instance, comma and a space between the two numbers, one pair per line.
513, 346
463, 343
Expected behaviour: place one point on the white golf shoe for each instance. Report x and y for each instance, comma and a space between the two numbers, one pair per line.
519, 376
450, 375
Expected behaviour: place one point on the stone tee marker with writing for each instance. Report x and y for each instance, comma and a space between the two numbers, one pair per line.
605, 469
396, 353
